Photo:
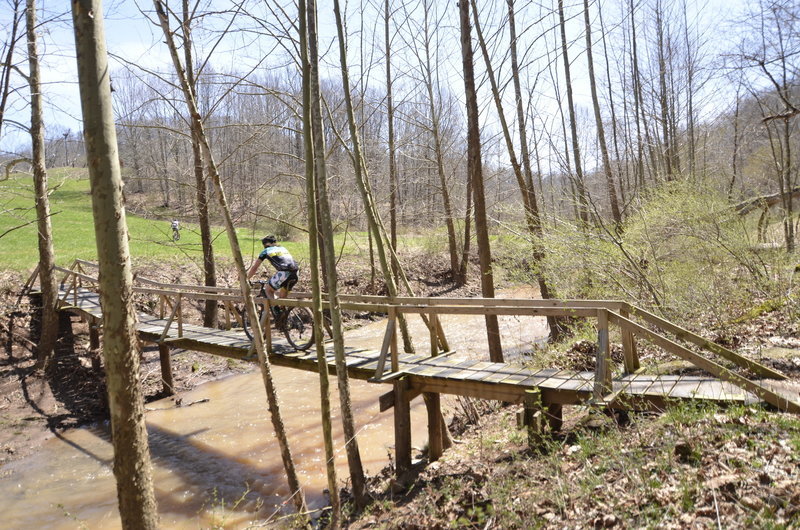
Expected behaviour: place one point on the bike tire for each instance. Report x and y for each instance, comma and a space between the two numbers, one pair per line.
248, 329
298, 327
176, 235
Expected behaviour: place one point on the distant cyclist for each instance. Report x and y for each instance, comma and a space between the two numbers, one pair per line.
285, 268
176, 226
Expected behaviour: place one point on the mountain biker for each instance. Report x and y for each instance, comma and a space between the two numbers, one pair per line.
285, 268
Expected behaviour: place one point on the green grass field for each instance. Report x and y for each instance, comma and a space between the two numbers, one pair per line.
73, 228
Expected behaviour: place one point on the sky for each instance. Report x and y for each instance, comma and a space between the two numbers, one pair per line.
130, 35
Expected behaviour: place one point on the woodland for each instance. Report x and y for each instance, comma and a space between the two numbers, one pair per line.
644, 150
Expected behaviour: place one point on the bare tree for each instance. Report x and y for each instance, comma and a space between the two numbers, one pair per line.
601, 134
583, 203
476, 177
47, 278
7, 56
201, 193
307, 17
132, 468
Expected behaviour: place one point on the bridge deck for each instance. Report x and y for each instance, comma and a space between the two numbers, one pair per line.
447, 374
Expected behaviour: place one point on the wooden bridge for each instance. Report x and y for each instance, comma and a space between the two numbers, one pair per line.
440, 371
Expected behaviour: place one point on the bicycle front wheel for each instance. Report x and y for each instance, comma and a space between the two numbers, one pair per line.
299, 328
176, 235
248, 328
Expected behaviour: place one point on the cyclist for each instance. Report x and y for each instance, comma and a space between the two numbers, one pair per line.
285, 268
176, 226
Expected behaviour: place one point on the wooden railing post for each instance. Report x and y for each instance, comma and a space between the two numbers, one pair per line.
629, 346
266, 326
180, 314
433, 334
602, 375
393, 339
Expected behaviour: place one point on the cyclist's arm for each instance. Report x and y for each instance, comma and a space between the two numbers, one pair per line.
254, 268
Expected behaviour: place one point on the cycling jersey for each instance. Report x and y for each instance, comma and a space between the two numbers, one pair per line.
279, 257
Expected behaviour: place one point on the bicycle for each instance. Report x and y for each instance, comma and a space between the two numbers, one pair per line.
176, 234
295, 322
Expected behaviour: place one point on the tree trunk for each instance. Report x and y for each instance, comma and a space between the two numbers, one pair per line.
390, 124
583, 203
313, 254
5, 67
132, 468
351, 441
601, 134
362, 180
476, 176
201, 185
47, 278
266, 371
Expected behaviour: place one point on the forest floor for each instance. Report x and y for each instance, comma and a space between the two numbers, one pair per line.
690, 467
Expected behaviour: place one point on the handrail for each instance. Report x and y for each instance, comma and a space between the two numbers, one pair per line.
607, 312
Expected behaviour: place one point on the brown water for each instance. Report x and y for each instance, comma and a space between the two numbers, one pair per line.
216, 462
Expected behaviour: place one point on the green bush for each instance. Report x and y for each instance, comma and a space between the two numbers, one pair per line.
682, 250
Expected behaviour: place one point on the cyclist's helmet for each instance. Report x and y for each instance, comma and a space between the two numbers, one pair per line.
269, 240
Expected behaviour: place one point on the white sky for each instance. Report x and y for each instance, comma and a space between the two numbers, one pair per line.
130, 35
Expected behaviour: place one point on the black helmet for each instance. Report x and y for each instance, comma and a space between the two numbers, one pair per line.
269, 240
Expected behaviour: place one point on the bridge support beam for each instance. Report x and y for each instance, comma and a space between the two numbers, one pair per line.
435, 426
402, 426
94, 335
554, 416
166, 369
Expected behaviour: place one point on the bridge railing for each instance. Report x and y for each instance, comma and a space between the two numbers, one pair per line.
650, 327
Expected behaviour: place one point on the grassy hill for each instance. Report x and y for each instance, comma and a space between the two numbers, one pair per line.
73, 228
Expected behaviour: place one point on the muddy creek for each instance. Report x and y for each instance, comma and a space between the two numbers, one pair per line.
216, 461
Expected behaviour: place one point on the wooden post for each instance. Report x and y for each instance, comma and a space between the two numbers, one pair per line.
166, 369
433, 335
555, 416
266, 326
402, 426
629, 347
94, 335
435, 424
602, 376
393, 338
180, 314
532, 417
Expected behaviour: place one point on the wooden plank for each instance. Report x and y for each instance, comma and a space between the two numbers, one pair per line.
685, 388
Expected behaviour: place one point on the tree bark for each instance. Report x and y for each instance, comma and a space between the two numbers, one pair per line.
132, 467
47, 278
583, 203
601, 133
351, 441
476, 176
313, 254
201, 185
5, 68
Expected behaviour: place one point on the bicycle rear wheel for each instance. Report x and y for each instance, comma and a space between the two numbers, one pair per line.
299, 327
